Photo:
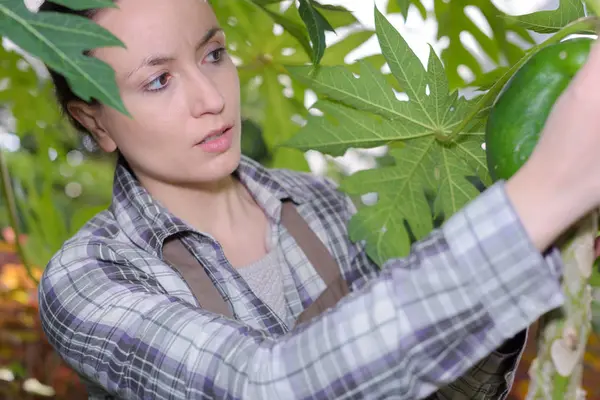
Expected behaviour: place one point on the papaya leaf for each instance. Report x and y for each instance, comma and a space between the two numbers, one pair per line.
484, 102
335, 16
454, 21
293, 28
400, 190
337, 52
551, 21
278, 125
317, 25
402, 6
60, 40
363, 112
15, 78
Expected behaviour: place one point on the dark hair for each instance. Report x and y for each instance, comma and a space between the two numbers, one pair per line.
63, 92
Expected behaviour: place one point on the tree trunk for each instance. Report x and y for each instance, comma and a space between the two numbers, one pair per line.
557, 372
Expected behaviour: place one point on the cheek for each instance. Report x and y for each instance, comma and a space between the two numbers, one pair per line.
143, 129
230, 86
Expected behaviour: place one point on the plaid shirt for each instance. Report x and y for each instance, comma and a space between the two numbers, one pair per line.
448, 321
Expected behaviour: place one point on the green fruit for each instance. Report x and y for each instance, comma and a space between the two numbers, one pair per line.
253, 144
521, 109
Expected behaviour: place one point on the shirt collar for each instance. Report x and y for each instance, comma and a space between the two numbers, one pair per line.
148, 223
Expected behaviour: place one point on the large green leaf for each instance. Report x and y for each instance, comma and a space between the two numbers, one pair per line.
550, 21
60, 41
363, 111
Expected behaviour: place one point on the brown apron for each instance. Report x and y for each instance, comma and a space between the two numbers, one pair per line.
209, 298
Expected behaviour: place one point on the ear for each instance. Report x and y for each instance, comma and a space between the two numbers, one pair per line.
88, 115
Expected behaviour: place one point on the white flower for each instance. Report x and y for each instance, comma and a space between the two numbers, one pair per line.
6, 375
34, 386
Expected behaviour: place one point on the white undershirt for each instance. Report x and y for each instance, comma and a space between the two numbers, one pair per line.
265, 278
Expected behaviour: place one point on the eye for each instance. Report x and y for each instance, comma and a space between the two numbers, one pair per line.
215, 56
159, 83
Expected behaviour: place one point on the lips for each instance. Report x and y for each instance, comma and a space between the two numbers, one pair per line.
215, 134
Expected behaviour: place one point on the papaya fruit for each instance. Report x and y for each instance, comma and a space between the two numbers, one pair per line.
519, 113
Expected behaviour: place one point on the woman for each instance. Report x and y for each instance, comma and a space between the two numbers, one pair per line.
447, 322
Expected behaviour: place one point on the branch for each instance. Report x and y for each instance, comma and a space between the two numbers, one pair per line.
594, 5
581, 25
9, 197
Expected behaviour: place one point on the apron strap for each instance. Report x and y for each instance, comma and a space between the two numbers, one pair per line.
314, 249
321, 260
193, 272
209, 298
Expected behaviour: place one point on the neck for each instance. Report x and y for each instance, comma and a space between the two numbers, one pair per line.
218, 208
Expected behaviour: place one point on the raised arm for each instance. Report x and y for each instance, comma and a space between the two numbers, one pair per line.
484, 242
422, 323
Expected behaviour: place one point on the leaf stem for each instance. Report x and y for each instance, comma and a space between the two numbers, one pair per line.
584, 24
9, 197
594, 5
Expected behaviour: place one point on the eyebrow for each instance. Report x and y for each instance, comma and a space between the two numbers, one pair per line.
155, 60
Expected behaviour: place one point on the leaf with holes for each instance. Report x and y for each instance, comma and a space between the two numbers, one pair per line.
363, 112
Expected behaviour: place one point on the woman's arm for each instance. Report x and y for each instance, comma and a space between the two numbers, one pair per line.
421, 324
493, 374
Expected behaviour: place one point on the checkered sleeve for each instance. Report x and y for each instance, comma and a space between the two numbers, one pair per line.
425, 321
492, 376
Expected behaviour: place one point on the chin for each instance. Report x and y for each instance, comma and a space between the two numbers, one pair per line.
220, 166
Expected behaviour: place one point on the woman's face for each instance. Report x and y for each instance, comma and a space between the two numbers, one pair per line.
180, 87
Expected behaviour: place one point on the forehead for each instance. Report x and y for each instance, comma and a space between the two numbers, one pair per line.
153, 26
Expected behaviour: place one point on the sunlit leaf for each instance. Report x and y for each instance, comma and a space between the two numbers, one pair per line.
60, 41
363, 111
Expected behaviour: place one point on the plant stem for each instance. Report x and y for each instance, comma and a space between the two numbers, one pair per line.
582, 25
594, 5
9, 198
557, 371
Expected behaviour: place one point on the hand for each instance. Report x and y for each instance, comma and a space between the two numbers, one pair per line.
560, 182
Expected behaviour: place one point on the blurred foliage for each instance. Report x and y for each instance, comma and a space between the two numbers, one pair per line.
502, 39
29, 367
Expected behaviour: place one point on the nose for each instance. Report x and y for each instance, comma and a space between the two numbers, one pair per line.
203, 95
